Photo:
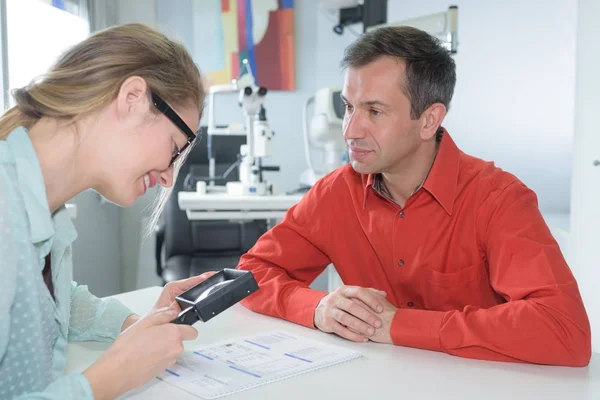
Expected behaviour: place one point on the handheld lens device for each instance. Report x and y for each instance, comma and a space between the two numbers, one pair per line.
214, 295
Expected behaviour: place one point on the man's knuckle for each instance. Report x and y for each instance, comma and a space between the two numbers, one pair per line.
336, 314
338, 329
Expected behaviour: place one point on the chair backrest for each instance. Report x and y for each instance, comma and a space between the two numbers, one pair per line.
185, 237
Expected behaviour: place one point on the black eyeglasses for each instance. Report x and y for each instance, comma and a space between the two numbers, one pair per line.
164, 108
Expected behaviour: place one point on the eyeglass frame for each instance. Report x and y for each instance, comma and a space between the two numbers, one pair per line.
166, 109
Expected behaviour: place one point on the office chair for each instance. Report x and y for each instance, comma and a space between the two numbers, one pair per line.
187, 248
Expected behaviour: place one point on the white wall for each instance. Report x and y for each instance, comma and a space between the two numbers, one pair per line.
514, 97
585, 222
96, 252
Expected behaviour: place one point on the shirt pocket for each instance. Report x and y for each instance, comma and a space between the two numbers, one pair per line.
463, 276
456, 289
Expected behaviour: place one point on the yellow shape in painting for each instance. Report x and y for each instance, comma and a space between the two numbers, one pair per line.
230, 43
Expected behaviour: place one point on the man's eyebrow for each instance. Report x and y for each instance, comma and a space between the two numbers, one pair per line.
369, 103
376, 103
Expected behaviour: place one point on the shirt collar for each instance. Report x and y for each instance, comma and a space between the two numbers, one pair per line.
368, 181
32, 187
442, 180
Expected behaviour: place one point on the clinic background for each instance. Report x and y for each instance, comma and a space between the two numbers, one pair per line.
514, 99
523, 92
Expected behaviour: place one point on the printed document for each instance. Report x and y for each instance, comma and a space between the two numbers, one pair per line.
244, 363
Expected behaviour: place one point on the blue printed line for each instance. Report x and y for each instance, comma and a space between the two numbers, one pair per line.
298, 358
171, 372
203, 355
257, 344
241, 370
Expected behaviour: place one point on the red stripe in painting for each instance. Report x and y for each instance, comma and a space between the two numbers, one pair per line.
235, 65
267, 55
286, 43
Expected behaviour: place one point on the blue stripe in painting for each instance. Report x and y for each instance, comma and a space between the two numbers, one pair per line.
250, 40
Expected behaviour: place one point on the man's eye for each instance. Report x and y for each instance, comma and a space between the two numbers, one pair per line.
375, 112
175, 149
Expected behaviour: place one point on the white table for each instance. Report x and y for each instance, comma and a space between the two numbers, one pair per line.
384, 372
213, 206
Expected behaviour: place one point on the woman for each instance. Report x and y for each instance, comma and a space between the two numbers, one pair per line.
114, 114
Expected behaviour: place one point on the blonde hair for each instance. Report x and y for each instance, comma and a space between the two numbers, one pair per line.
88, 76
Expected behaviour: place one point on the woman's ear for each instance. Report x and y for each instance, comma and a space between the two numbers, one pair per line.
132, 99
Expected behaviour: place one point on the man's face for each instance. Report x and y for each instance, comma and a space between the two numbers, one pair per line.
378, 129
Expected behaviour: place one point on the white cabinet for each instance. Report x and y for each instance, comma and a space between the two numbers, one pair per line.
585, 201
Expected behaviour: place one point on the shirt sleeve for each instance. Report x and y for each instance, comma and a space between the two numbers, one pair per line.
543, 319
288, 258
93, 318
68, 387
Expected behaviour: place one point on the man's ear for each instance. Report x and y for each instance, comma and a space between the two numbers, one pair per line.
132, 99
432, 119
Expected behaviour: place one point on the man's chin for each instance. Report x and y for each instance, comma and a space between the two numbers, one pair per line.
362, 168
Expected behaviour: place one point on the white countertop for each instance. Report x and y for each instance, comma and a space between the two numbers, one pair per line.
384, 371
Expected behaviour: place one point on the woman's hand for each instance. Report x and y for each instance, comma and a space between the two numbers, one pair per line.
146, 348
168, 294
175, 288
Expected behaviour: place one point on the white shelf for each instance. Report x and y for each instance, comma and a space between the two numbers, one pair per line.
221, 206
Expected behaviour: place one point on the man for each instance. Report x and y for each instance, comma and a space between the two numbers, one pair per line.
438, 250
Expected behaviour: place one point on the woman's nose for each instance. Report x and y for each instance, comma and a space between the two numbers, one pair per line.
166, 178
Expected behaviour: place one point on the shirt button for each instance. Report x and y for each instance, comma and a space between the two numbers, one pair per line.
410, 304
401, 263
401, 214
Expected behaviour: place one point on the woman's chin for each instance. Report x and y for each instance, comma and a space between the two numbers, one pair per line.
121, 201
127, 203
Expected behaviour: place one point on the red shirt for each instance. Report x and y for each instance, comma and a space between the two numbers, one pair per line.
469, 262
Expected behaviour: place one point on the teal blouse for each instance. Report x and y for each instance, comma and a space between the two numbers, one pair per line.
34, 328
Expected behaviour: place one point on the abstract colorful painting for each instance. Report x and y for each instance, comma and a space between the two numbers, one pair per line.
262, 31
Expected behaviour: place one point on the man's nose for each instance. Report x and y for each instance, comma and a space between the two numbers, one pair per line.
353, 128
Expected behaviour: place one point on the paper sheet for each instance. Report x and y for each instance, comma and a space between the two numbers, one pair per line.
232, 366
